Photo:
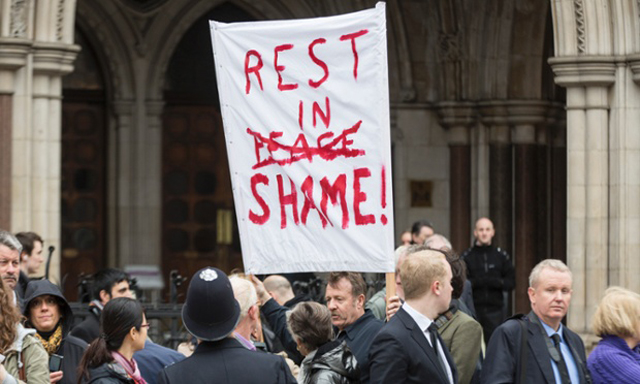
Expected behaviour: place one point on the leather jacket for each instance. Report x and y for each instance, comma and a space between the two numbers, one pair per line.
333, 363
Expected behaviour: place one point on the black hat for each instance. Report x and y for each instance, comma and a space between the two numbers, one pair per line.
211, 312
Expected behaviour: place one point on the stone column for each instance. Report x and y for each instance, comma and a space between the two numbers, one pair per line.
13, 57
120, 202
624, 155
587, 79
50, 62
151, 204
494, 116
524, 117
458, 117
556, 123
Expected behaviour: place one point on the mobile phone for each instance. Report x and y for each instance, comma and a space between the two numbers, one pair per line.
55, 363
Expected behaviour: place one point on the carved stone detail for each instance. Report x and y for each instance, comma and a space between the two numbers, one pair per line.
60, 20
18, 18
449, 47
580, 26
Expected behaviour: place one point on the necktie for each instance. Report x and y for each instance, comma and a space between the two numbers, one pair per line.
562, 366
433, 330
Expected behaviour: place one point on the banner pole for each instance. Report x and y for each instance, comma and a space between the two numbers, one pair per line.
391, 284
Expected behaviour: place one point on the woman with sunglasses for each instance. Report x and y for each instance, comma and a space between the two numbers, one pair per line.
109, 359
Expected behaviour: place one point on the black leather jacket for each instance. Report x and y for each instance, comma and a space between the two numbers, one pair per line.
333, 363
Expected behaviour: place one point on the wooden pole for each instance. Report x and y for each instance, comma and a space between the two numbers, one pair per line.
391, 284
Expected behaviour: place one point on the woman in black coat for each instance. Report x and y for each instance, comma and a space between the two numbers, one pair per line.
48, 312
326, 361
109, 358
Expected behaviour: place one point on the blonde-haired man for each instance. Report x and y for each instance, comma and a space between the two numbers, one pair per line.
408, 349
553, 353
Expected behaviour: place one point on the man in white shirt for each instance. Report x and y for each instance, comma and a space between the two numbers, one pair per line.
408, 349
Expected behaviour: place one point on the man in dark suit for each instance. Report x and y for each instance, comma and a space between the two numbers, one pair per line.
211, 313
548, 352
408, 349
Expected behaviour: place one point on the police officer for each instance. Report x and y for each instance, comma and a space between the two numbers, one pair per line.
210, 314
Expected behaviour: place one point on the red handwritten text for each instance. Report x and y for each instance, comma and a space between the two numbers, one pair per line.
335, 193
279, 69
327, 147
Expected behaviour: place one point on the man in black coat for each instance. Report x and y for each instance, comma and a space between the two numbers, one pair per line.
492, 276
548, 352
345, 297
408, 349
211, 313
107, 284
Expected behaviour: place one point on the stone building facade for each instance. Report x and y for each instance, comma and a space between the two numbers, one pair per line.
524, 111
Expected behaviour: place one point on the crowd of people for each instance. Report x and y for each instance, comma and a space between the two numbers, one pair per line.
447, 323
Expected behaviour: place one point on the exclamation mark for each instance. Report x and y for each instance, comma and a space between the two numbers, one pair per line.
300, 114
383, 195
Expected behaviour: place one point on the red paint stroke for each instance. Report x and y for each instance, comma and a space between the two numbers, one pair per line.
339, 146
352, 37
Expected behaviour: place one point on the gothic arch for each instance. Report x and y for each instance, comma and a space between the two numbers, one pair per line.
108, 35
169, 37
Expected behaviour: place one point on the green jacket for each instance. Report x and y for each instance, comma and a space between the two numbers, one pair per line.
463, 337
378, 304
28, 350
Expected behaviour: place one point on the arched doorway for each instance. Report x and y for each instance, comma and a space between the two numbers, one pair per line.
198, 218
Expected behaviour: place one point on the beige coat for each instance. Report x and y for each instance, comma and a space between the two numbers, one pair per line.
26, 348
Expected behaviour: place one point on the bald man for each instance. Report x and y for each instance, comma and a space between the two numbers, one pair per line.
280, 289
491, 273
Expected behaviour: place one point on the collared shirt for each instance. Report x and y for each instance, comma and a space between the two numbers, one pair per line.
245, 343
424, 323
566, 354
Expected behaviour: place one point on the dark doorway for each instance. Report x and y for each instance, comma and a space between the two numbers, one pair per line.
198, 218
83, 157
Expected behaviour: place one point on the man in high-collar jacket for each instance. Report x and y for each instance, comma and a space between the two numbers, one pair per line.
408, 349
537, 348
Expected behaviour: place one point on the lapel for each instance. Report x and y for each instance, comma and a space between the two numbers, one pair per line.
576, 356
538, 346
419, 337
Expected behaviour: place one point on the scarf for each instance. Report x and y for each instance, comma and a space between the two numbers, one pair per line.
51, 341
129, 366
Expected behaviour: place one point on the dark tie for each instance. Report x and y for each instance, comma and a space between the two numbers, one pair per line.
433, 335
562, 366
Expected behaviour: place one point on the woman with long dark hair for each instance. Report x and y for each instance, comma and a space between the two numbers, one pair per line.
109, 359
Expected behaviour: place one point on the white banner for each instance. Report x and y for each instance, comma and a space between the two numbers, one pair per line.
305, 106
